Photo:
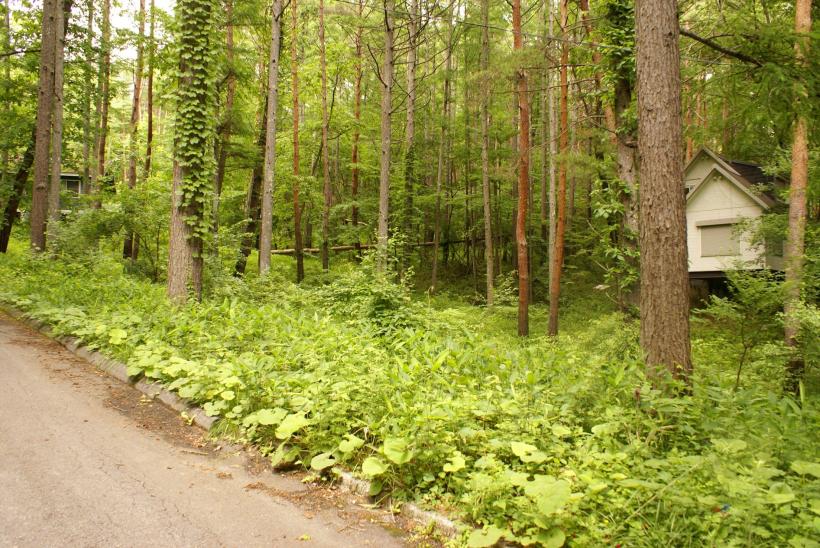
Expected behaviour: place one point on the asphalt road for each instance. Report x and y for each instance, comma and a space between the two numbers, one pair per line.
86, 460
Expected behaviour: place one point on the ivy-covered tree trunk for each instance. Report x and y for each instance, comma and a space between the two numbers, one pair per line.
795, 244
192, 148
664, 266
271, 104
45, 108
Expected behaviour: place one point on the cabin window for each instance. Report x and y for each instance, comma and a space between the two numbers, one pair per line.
718, 241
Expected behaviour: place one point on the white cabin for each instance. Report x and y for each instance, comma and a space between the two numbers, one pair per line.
723, 199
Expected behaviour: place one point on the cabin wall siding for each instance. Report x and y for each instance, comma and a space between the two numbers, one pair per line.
718, 199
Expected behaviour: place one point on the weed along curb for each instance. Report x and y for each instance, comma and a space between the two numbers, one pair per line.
347, 482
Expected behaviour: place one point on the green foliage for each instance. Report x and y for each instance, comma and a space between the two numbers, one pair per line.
540, 442
751, 316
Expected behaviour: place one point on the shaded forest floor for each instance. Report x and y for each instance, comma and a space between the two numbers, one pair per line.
435, 399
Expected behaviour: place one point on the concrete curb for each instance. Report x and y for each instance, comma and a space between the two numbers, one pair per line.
347, 481
118, 370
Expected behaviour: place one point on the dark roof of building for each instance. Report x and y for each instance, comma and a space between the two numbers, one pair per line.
755, 179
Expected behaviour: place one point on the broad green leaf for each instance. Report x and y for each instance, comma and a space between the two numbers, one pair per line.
291, 424
779, 493
228, 395
806, 468
350, 444
729, 446
560, 430
548, 494
395, 449
117, 336
456, 463
322, 461
485, 537
373, 466
527, 452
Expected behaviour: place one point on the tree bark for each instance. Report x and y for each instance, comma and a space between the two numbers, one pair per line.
326, 190
45, 109
129, 247
410, 128
223, 142
6, 88
297, 211
795, 238
57, 116
149, 107
269, 165
357, 115
386, 77
485, 148
664, 269
253, 198
18, 187
523, 180
104, 85
557, 262
443, 150
88, 90
191, 172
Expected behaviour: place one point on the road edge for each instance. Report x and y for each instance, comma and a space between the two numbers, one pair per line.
118, 370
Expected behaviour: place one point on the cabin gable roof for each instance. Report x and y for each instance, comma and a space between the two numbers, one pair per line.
745, 176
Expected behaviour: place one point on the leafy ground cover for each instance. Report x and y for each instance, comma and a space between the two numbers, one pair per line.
541, 441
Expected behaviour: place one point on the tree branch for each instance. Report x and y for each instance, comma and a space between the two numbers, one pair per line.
717, 47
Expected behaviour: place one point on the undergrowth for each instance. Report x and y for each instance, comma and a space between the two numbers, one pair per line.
540, 441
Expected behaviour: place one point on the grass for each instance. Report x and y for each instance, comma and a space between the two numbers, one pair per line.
539, 441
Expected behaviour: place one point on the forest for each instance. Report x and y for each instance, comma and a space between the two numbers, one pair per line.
449, 245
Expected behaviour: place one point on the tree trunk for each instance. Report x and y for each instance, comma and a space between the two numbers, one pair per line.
386, 77
6, 88
557, 263
269, 165
129, 248
149, 107
797, 202
485, 148
326, 190
88, 91
523, 180
664, 269
226, 128
410, 129
104, 85
253, 198
443, 149
297, 211
57, 116
45, 108
19, 186
357, 114
191, 175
